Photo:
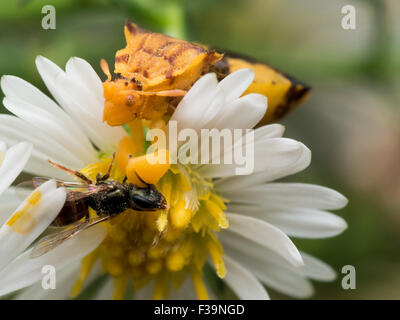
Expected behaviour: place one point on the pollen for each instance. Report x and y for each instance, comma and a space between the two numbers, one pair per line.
159, 248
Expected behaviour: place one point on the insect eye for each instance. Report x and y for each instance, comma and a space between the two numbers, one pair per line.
140, 202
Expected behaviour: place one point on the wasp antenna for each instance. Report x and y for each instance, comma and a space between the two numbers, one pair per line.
71, 172
104, 67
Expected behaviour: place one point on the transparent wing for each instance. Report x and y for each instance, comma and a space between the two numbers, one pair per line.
53, 240
75, 190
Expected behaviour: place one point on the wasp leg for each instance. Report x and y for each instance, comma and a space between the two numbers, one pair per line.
72, 172
107, 175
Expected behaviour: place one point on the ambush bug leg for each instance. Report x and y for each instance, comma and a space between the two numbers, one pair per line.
104, 67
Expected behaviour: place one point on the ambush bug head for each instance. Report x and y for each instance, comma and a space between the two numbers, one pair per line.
122, 98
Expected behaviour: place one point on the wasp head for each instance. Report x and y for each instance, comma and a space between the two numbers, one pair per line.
146, 199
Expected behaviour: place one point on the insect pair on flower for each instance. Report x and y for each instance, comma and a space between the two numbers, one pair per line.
152, 74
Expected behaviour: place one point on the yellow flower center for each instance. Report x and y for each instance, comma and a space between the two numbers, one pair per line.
164, 246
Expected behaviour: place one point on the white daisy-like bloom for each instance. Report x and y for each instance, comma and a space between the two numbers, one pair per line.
241, 223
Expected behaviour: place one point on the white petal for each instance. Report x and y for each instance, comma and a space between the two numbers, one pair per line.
82, 72
212, 113
13, 163
243, 282
235, 84
34, 219
195, 103
278, 276
16, 88
316, 269
8, 203
50, 72
24, 271
274, 130
38, 165
292, 195
308, 223
268, 155
249, 251
260, 134
80, 104
243, 113
296, 222
65, 280
76, 101
3, 149
14, 130
50, 125
294, 162
266, 235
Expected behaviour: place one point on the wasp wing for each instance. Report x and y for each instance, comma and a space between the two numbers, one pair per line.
53, 240
75, 190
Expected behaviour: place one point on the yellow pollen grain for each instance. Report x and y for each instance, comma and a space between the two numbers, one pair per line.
23, 221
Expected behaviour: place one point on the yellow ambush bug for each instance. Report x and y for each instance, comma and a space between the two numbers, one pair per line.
283, 91
154, 71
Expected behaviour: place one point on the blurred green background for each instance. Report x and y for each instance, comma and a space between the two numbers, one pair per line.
351, 122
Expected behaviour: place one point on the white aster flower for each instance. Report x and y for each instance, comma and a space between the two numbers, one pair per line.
247, 242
